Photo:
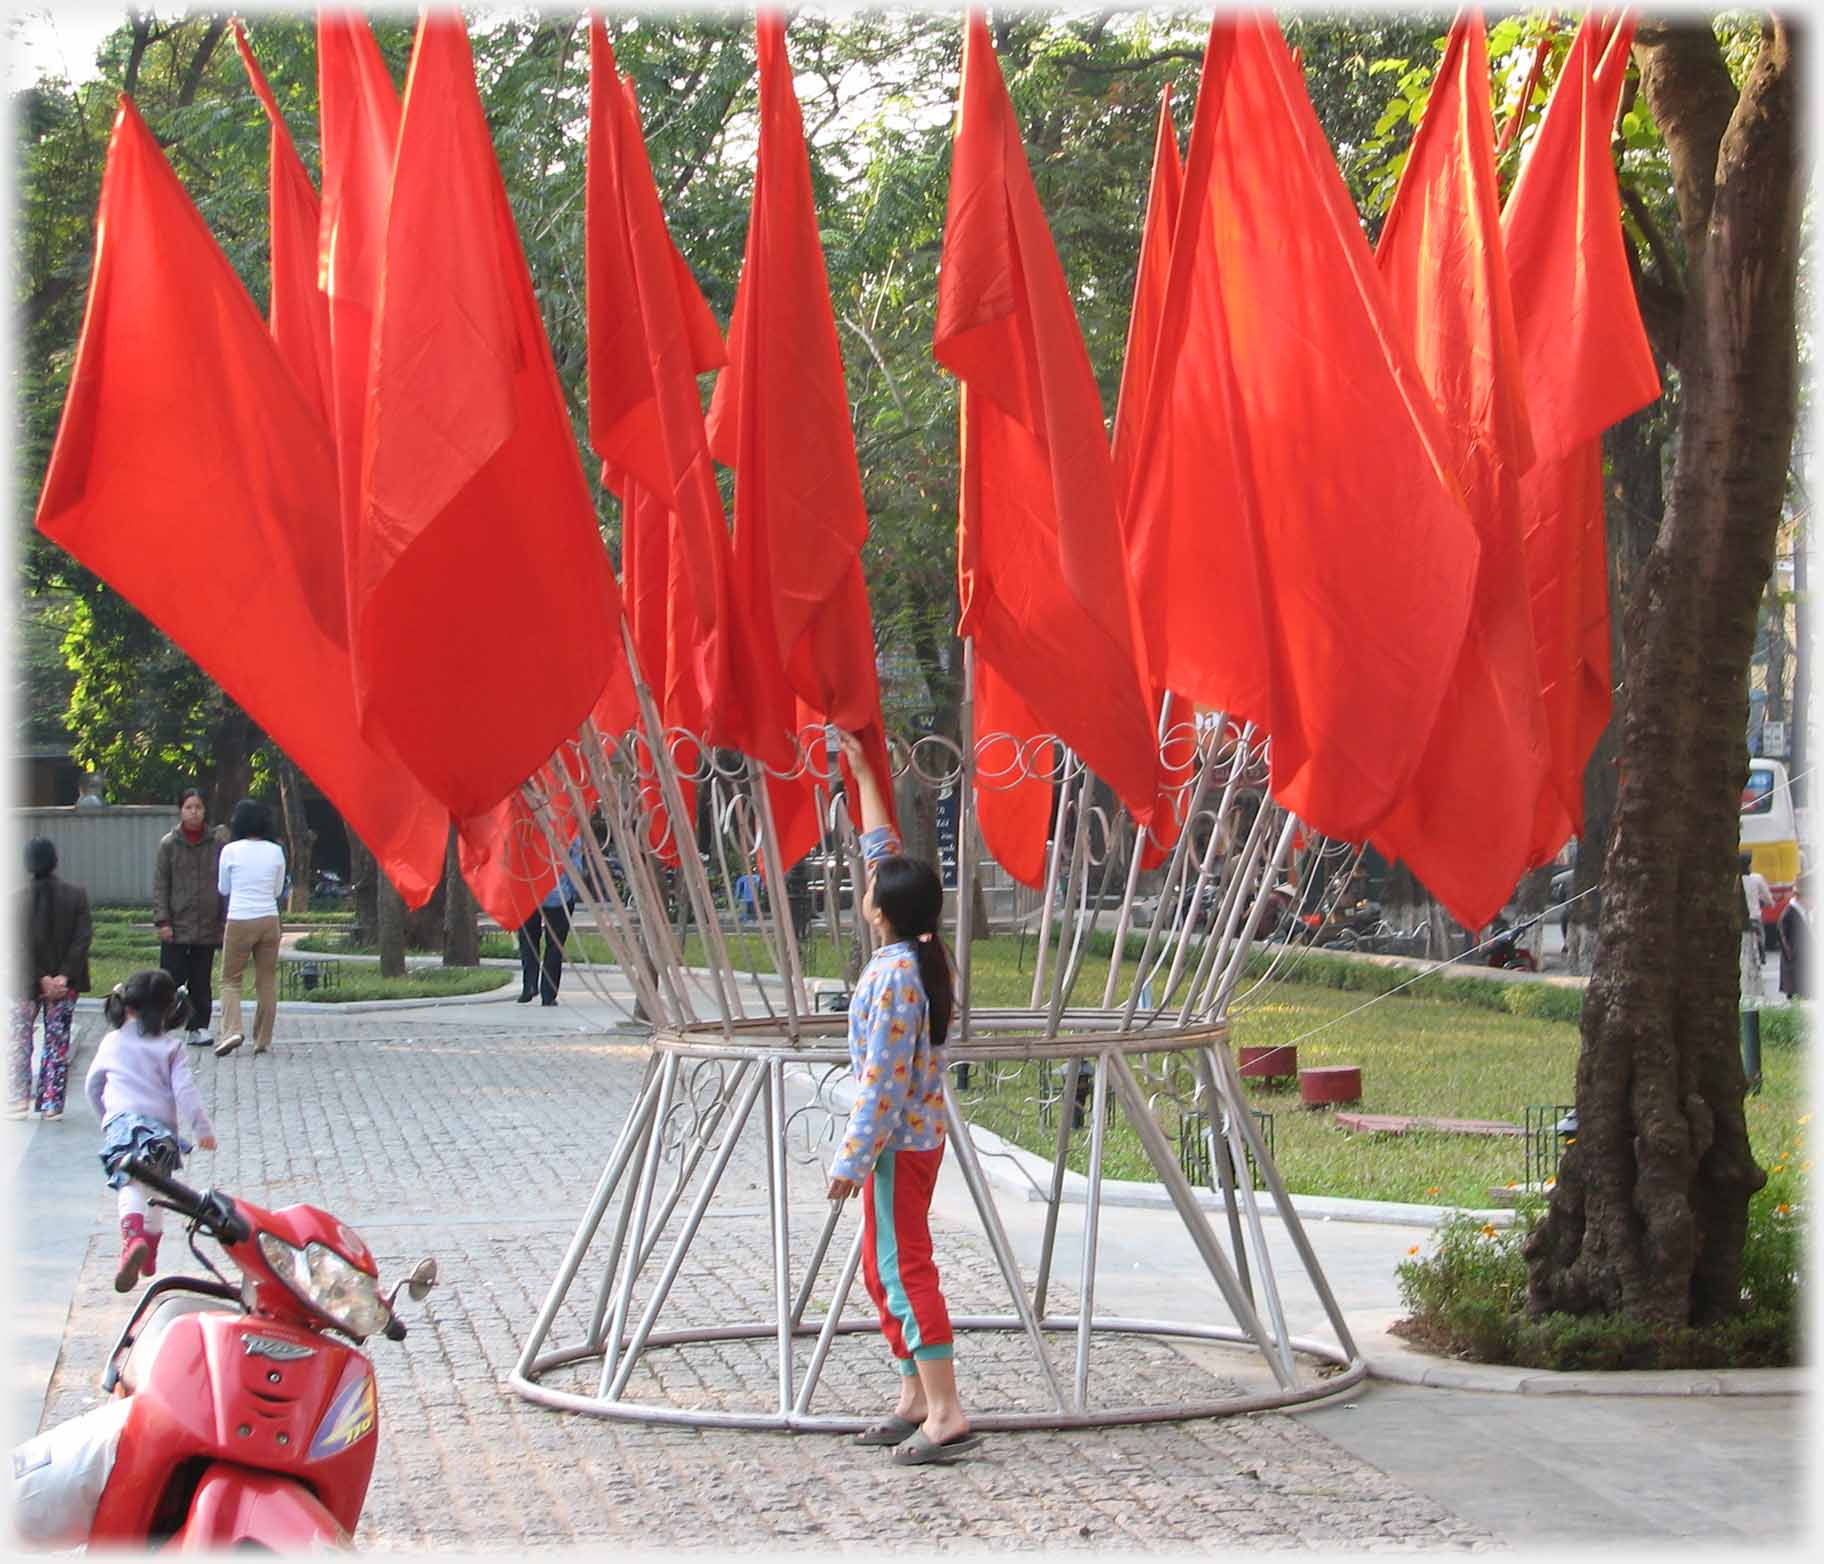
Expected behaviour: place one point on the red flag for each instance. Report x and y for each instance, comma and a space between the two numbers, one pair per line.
650, 335
297, 312
358, 115
474, 506
1334, 585
1587, 365
1013, 809
184, 435
780, 418
1465, 826
1041, 570
506, 856
1143, 326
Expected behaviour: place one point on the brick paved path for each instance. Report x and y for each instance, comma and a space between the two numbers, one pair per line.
480, 1144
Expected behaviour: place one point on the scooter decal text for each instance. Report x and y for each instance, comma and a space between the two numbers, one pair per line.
279, 1351
350, 1416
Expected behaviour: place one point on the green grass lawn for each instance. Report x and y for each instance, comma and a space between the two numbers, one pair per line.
1452, 1049
125, 942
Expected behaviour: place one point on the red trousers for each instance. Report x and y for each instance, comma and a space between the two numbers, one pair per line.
896, 1258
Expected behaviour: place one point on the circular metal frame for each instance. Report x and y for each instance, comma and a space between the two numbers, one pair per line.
703, 1089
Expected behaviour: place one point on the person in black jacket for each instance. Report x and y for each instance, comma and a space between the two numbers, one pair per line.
187, 910
53, 918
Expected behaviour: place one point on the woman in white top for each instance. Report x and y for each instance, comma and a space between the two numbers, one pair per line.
251, 875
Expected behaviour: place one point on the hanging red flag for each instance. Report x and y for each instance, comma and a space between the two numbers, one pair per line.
358, 118
184, 435
506, 856
780, 418
650, 335
1042, 574
1587, 365
473, 499
1014, 790
1334, 589
297, 311
1163, 200
1465, 825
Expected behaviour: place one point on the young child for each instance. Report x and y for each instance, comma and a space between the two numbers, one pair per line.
140, 1088
898, 1020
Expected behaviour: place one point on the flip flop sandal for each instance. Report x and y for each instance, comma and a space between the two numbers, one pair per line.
920, 1451
888, 1431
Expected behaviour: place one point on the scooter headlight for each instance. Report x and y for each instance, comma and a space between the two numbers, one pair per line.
328, 1283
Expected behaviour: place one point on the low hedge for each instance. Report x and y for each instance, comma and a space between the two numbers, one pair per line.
1468, 1300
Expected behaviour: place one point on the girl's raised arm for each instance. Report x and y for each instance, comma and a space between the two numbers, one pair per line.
873, 803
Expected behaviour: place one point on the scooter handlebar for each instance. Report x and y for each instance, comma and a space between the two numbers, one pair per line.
214, 1210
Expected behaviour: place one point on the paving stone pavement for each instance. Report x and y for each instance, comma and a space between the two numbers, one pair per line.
480, 1144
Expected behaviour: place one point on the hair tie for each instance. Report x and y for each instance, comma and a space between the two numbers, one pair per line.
925, 938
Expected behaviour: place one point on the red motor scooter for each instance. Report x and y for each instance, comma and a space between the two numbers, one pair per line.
246, 1422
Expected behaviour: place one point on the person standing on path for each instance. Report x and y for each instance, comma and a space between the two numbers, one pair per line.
53, 917
549, 925
187, 910
1795, 941
1757, 900
251, 874
894, 1144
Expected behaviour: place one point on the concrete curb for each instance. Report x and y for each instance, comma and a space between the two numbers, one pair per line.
1395, 1360
1389, 1357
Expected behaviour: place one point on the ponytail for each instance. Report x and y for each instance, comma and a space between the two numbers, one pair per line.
910, 896
938, 975
152, 995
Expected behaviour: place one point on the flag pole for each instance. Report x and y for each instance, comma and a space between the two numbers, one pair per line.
965, 840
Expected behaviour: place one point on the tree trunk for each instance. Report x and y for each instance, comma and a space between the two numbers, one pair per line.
1634, 507
1649, 1213
233, 747
424, 928
461, 938
300, 840
391, 929
364, 884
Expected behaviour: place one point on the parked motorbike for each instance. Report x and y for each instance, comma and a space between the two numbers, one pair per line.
238, 1418
1505, 949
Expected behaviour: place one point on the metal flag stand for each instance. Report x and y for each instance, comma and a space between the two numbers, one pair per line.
731, 1101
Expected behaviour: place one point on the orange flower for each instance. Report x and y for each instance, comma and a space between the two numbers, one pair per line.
1413, 1250
1782, 1210
1433, 1190
1488, 1229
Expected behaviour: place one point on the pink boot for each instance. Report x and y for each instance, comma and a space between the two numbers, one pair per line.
152, 1252
135, 1253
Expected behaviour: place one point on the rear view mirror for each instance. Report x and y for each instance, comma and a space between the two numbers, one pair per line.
422, 1280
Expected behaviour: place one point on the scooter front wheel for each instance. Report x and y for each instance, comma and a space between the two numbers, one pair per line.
236, 1507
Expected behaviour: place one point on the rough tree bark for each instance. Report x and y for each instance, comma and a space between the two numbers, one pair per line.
364, 888
1633, 506
300, 840
391, 910
1649, 1213
232, 745
461, 938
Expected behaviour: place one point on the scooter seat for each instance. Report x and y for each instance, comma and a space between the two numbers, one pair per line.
152, 1328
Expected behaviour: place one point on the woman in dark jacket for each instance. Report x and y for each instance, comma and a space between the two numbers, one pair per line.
54, 922
187, 910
